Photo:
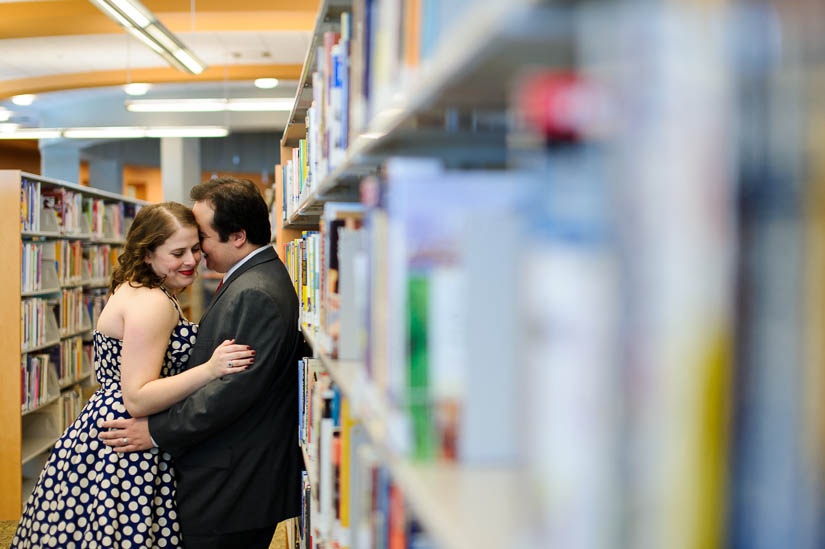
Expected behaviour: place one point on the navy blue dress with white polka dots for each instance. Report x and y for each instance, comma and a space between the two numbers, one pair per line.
88, 496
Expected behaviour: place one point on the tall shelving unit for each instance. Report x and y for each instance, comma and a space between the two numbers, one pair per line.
70, 285
451, 108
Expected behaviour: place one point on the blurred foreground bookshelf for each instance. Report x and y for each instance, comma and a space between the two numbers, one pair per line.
395, 460
563, 261
61, 242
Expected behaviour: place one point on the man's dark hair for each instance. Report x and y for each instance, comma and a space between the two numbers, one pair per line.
238, 206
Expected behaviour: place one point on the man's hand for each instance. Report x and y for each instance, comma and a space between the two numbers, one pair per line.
127, 434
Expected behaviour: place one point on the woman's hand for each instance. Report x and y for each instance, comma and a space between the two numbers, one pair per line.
229, 358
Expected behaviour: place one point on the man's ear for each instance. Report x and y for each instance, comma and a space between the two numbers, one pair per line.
238, 238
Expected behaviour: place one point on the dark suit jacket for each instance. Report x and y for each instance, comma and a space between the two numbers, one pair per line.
234, 440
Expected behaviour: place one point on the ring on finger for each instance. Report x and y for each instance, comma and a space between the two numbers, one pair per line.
125, 441
230, 363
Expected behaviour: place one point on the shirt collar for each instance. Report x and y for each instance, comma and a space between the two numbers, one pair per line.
244, 260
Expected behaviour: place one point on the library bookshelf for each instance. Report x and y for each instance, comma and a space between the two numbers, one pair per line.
362, 411
61, 241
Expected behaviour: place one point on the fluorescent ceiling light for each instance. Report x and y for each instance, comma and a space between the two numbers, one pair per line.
112, 13
140, 35
162, 38
133, 10
261, 104
251, 104
175, 105
143, 25
182, 131
194, 66
12, 131
31, 133
104, 132
24, 99
137, 88
266, 83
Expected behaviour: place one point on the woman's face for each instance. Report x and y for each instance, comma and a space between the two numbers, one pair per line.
177, 258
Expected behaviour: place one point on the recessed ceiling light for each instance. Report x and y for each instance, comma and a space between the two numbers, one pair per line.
24, 99
5, 114
137, 88
266, 83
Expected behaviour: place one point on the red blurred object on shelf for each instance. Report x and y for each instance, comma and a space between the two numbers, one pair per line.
562, 106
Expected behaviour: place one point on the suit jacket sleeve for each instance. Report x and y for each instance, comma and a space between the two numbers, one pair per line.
252, 318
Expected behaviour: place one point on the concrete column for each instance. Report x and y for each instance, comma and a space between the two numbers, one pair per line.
60, 161
180, 167
106, 174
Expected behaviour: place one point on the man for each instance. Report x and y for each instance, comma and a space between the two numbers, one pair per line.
235, 440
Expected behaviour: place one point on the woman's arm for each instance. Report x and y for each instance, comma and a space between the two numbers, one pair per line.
146, 330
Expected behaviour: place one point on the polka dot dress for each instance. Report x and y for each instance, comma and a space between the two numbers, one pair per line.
88, 496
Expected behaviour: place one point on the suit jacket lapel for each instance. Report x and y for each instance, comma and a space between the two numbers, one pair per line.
262, 257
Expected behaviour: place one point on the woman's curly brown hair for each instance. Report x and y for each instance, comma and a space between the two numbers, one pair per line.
152, 226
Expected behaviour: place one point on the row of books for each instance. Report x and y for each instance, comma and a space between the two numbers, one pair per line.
58, 209
309, 394
74, 355
321, 263
342, 250
297, 179
38, 324
30, 205
302, 260
377, 51
38, 375
391, 43
71, 404
46, 320
324, 147
94, 300
349, 499
72, 311
100, 260
320, 437
409, 309
64, 262
34, 371
68, 259
32, 268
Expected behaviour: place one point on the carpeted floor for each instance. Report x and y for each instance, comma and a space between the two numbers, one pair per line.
7, 529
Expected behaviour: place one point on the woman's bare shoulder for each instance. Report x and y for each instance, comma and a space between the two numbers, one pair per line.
141, 298
134, 302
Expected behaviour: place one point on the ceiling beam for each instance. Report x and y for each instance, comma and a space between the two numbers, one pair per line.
79, 17
55, 82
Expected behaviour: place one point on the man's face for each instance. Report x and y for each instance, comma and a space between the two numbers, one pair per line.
219, 255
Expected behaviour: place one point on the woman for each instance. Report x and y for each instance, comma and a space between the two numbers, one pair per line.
88, 495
